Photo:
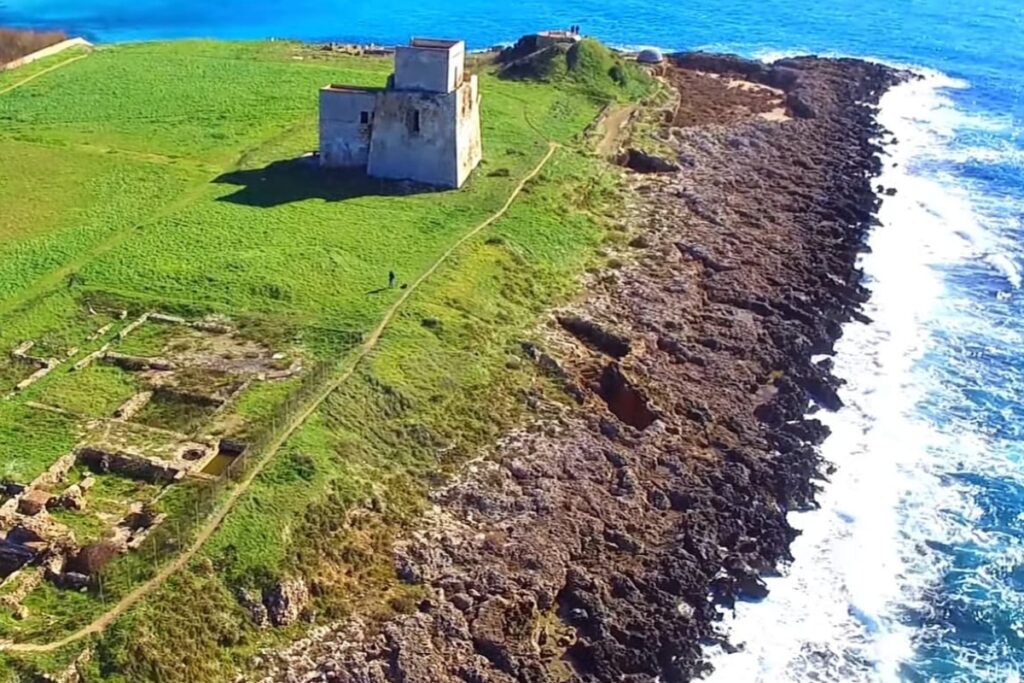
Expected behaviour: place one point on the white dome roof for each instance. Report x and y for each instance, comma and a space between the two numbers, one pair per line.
650, 55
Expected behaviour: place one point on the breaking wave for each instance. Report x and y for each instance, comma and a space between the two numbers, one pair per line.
912, 568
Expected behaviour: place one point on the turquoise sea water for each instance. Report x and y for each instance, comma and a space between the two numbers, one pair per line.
913, 569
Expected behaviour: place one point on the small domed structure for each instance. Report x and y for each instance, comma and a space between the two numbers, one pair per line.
650, 55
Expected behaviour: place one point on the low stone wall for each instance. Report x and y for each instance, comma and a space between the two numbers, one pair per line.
56, 473
133, 405
45, 52
129, 464
137, 363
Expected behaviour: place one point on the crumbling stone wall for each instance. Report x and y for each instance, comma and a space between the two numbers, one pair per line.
130, 465
469, 143
414, 138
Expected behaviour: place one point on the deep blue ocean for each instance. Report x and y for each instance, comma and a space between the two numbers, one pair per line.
913, 568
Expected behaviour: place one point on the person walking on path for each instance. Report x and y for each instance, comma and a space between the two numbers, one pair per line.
391, 279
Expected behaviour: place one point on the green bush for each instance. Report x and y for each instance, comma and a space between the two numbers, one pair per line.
588, 65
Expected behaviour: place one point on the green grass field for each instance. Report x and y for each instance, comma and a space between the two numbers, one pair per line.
96, 391
170, 176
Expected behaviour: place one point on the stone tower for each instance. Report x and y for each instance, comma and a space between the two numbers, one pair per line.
424, 126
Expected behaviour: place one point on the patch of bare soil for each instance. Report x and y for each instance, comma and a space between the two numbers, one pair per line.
707, 98
601, 546
613, 129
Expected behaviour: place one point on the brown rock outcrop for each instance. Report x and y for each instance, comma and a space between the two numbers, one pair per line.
285, 601
33, 501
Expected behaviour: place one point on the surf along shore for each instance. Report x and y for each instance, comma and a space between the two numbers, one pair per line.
602, 541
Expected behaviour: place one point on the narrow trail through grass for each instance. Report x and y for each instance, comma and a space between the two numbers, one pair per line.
45, 71
99, 624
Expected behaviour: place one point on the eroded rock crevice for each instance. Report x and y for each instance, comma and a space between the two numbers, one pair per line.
596, 336
622, 398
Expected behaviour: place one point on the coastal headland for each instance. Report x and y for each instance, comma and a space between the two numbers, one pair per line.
561, 443
601, 543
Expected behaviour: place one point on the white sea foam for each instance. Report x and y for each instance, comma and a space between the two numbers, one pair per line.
1006, 267
1002, 154
860, 559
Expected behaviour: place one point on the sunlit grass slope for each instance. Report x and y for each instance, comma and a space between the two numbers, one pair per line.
172, 176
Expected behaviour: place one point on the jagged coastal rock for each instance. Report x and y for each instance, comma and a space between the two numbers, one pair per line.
603, 548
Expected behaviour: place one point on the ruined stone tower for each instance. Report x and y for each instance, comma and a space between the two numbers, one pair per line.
424, 126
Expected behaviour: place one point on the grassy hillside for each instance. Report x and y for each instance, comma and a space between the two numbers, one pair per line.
169, 176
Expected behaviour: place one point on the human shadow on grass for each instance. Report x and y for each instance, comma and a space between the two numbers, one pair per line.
295, 180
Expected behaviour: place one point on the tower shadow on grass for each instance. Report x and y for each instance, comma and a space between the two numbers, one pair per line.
296, 180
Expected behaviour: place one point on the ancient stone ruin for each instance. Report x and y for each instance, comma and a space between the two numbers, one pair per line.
178, 424
41, 367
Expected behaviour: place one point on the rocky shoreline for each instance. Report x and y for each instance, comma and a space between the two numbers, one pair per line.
602, 547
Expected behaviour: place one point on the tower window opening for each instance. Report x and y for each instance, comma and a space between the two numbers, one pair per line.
364, 117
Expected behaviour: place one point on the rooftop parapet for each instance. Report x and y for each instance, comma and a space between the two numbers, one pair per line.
435, 43
352, 88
